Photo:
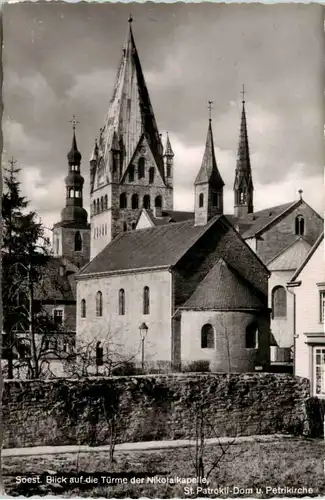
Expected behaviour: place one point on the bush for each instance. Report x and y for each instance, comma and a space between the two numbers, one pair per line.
125, 369
197, 366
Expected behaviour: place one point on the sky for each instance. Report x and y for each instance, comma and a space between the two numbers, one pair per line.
61, 60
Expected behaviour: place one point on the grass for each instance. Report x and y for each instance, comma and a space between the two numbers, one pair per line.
292, 462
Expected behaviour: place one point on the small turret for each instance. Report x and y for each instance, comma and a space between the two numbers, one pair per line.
169, 162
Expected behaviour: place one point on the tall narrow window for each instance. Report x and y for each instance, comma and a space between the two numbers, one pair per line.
158, 202
97, 205
94, 207
77, 242
83, 308
58, 316
207, 337
141, 168
146, 201
121, 302
102, 204
151, 175
322, 306
319, 371
252, 336
123, 200
216, 200
201, 200
125, 226
146, 300
135, 201
169, 170
99, 304
279, 302
131, 173
133, 225
105, 202
300, 225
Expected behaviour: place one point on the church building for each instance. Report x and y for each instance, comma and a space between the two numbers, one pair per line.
191, 280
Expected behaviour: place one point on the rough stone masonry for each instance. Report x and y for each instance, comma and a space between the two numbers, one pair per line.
152, 407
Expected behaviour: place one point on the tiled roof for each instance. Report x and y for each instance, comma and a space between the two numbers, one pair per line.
291, 257
308, 257
253, 224
170, 216
145, 248
224, 289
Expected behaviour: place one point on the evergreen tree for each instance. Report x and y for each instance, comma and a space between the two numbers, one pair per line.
24, 262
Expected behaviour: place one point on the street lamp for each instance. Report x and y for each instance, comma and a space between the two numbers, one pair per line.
143, 333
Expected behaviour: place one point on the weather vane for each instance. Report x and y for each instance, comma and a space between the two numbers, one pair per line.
74, 122
210, 107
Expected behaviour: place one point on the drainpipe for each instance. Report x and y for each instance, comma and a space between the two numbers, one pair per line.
290, 285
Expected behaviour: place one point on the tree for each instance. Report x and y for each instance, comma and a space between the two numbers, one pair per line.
26, 263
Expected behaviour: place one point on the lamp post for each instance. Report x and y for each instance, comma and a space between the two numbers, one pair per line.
143, 333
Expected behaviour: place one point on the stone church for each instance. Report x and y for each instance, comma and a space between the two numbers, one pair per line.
197, 280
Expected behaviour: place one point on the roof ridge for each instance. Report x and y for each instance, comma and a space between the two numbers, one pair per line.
308, 256
291, 206
300, 238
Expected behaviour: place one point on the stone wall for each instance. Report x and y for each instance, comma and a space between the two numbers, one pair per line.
62, 412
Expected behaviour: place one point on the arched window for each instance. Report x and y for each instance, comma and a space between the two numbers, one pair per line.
77, 242
71, 193
279, 302
133, 225
146, 201
131, 173
242, 196
102, 204
169, 170
99, 354
121, 302
77, 193
141, 166
300, 225
135, 201
99, 304
151, 175
158, 202
251, 336
216, 200
105, 202
146, 300
57, 247
125, 226
201, 200
83, 308
94, 207
123, 200
97, 206
207, 337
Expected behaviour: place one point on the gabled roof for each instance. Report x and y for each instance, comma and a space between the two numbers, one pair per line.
308, 257
256, 223
209, 172
291, 257
224, 289
160, 246
130, 113
168, 216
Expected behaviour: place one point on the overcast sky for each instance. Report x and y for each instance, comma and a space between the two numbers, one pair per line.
62, 59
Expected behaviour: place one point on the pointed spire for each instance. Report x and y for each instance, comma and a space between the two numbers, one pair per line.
130, 114
209, 172
168, 148
74, 156
94, 154
243, 185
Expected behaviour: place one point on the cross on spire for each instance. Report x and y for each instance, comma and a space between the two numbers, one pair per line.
210, 107
12, 162
74, 122
243, 94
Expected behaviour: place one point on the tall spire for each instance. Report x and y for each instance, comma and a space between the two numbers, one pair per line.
209, 172
130, 114
168, 151
243, 186
208, 183
73, 212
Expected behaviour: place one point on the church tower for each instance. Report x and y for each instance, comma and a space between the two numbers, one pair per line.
128, 170
243, 186
71, 236
208, 184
